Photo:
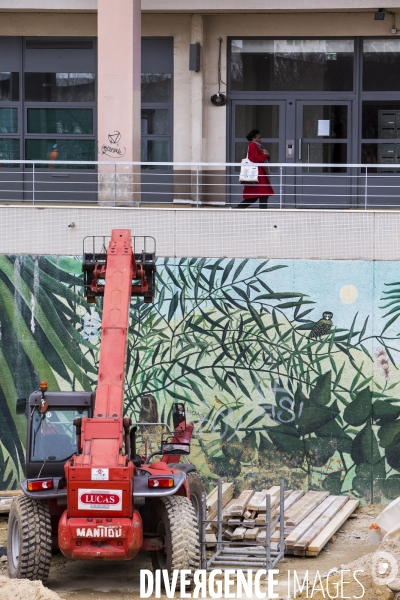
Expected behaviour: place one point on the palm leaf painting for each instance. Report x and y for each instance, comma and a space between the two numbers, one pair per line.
40, 307
274, 387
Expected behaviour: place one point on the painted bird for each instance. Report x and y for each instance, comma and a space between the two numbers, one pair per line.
321, 327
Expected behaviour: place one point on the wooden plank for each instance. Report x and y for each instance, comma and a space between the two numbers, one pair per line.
260, 518
225, 516
233, 522
5, 506
319, 542
304, 506
263, 532
10, 493
240, 504
277, 536
261, 535
247, 514
238, 534
251, 534
226, 513
212, 499
306, 523
211, 540
258, 499
274, 525
292, 499
248, 523
274, 494
228, 533
301, 544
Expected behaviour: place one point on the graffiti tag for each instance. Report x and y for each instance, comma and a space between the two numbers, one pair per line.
113, 149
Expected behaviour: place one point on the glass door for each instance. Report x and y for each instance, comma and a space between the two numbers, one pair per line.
269, 117
323, 148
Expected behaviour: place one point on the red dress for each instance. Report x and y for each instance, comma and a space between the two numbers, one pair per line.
263, 187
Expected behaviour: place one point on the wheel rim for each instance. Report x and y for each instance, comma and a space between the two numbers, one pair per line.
15, 545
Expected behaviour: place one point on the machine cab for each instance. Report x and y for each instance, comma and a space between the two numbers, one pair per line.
51, 436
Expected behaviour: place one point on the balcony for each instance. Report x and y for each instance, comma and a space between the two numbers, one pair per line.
197, 185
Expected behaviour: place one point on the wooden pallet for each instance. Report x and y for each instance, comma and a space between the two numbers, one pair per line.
311, 518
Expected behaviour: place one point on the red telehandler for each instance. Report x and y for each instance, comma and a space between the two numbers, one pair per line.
86, 490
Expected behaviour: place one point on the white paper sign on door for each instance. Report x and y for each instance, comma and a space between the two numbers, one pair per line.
324, 127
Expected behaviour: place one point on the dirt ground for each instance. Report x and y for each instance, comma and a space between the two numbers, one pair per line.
120, 580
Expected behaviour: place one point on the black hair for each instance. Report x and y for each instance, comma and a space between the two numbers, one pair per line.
252, 134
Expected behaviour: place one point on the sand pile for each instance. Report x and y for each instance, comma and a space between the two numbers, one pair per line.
22, 589
365, 562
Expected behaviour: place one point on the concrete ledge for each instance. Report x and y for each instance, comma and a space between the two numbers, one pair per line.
200, 6
208, 232
259, 6
48, 5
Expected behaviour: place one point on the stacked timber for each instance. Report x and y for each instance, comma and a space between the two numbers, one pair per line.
6, 499
310, 519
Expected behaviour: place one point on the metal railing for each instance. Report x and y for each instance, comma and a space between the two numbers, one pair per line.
295, 185
245, 554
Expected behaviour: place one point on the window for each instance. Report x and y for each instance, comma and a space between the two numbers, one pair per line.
381, 65
292, 65
157, 96
9, 87
53, 436
60, 87
74, 121
57, 150
156, 87
9, 120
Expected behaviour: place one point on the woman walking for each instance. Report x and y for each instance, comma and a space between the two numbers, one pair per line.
261, 190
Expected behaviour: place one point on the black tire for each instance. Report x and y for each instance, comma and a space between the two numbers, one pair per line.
29, 539
196, 488
176, 522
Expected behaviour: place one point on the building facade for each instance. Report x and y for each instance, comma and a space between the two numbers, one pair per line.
321, 84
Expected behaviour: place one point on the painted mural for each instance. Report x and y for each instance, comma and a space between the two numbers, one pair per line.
288, 368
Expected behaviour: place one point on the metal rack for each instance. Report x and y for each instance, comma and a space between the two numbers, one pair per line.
243, 555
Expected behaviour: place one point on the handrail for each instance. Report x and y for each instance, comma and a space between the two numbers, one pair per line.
200, 164
137, 183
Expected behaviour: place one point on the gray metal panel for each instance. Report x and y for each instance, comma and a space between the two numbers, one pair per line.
10, 54
157, 55
61, 60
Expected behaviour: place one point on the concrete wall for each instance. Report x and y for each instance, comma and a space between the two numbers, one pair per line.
48, 24
306, 234
274, 389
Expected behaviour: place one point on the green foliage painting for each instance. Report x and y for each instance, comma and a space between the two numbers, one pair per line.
288, 368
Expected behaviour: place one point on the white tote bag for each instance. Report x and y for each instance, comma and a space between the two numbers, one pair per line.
248, 171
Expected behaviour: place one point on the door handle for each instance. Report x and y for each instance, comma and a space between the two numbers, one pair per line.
300, 144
